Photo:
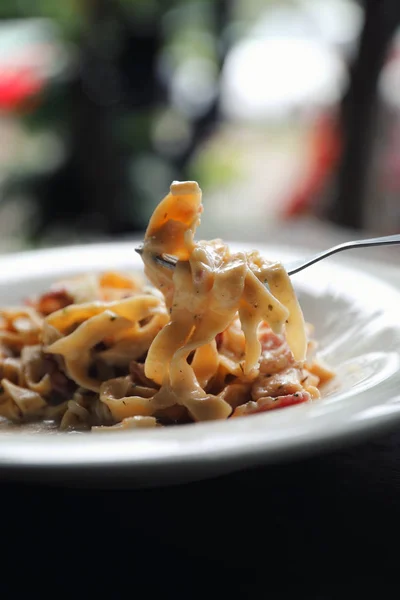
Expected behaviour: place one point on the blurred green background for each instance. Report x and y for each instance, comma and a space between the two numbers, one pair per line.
104, 102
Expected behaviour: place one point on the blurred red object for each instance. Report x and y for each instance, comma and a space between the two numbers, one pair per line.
18, 88
324, 153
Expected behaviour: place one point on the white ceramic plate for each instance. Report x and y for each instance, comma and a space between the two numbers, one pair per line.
356, 318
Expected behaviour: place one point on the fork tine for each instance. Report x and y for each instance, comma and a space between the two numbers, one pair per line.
169, 262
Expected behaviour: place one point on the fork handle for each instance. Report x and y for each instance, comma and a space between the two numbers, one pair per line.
387, 240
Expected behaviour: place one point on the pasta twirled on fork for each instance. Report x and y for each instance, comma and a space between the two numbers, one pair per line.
221, 336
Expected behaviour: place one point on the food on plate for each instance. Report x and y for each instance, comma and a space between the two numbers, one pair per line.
220, 336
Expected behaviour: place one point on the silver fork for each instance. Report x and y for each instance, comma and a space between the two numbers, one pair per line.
169, 262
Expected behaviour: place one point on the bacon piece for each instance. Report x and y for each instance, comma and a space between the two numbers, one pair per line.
218, 339
276, 355
268, 403
137, 375
53, 301
270, 340
278, 384
61, 385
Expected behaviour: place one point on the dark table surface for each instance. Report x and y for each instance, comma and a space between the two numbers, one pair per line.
323, 527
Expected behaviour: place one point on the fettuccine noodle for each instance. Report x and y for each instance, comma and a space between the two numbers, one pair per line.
220, 336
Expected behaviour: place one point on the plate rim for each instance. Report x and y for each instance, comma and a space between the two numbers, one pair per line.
81, 451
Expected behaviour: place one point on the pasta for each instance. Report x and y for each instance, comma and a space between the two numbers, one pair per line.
220, 336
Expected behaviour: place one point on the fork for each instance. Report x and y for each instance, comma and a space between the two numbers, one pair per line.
169, 262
